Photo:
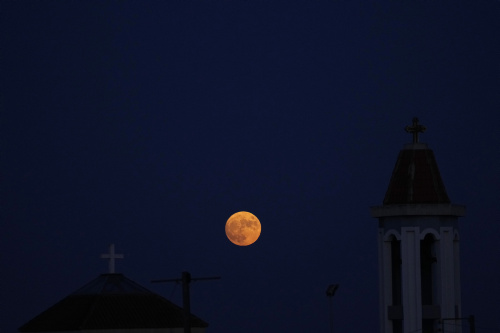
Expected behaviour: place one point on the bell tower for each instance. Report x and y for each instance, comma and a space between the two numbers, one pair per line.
419, 266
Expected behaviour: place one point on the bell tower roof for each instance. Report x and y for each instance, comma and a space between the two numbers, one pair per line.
416, 178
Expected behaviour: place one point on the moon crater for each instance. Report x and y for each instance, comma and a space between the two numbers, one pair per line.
243, 228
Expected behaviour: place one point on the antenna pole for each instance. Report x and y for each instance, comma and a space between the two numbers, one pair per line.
471, 319
186, 303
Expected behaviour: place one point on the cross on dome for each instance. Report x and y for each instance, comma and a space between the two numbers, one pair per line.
415, 129
111, 256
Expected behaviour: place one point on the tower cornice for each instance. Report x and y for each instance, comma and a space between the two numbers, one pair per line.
418, 210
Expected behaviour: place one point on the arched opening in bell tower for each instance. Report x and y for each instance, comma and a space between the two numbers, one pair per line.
428, 277
396, 279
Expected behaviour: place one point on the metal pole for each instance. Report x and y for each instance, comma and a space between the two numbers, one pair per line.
186, 304
330, 291
331, 315
186, 279
472, 324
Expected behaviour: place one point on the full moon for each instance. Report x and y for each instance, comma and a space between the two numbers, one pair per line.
243, 228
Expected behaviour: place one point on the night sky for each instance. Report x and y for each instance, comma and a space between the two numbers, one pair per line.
148, 123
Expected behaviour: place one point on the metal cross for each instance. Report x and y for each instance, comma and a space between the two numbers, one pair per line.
415, 129
111, 256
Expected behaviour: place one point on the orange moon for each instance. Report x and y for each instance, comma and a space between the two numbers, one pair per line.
243, 228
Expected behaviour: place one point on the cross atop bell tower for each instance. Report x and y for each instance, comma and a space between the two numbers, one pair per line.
415, 129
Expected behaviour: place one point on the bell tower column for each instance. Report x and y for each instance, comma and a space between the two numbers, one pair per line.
410, 264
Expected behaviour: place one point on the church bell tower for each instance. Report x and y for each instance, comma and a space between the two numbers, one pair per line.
418, 237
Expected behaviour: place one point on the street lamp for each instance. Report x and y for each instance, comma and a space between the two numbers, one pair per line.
330, 291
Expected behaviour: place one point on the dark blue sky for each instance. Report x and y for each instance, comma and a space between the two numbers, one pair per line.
148, 124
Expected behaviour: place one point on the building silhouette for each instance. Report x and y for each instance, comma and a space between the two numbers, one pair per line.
112, 303
418, 241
